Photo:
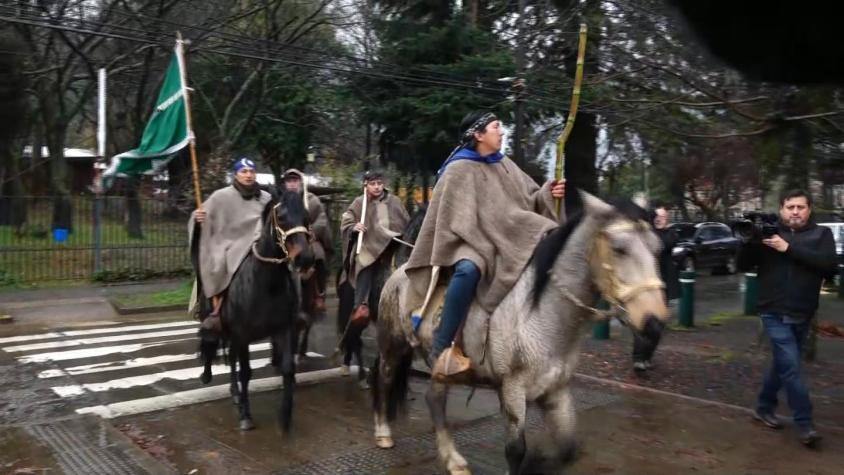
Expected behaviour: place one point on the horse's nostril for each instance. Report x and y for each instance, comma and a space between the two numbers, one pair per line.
652, 324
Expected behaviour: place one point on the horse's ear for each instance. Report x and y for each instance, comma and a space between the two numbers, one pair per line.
594, 206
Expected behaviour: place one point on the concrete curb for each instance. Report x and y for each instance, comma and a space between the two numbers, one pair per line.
123, 310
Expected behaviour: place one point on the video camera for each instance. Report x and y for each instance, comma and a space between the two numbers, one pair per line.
756, 226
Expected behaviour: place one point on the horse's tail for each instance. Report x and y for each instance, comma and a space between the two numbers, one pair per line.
394, 392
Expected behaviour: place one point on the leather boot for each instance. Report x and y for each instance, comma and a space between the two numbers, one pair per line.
451, 366
361, 315
212, 326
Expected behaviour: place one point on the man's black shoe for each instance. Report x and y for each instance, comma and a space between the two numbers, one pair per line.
809, 437
768, 419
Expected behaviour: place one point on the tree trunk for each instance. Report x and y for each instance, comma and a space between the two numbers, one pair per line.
133, 208
800, 157
62, 206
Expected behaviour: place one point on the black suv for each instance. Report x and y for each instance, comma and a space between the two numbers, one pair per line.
705, 246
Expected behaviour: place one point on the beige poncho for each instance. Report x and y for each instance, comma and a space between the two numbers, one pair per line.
491, 214
319, 227
386, 218
231, 225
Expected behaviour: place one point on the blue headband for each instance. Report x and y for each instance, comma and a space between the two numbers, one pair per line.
243, 163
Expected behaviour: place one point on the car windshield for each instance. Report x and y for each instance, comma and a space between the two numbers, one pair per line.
685, 232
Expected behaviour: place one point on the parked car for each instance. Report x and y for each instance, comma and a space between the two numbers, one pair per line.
838, 234
705, 246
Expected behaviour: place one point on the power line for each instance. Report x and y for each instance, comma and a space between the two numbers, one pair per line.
281, 56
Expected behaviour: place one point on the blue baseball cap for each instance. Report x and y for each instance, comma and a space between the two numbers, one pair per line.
242, 163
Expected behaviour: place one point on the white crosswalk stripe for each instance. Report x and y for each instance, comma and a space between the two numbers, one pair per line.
153, 367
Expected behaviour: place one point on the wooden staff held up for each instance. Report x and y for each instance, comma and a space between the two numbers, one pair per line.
575, 100
180, 54
362, 221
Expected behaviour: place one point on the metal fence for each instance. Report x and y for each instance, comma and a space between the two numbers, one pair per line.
97, 243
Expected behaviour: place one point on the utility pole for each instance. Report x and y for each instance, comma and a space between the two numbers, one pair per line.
519, 89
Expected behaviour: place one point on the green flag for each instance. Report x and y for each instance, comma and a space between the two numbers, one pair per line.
165, 134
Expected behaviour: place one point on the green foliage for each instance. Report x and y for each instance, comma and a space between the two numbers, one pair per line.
420, 121
177, 296
130, 274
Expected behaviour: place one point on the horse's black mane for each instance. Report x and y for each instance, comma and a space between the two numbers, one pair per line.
552, 245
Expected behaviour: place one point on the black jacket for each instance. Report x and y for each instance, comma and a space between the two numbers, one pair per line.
790, 281
667, 267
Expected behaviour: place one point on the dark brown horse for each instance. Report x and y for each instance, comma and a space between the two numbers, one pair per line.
262, 302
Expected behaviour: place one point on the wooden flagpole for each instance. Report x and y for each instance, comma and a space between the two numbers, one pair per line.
180, 54
575, 100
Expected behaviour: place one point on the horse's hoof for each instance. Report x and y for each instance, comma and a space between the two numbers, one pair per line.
205, 378
363, 384
344, 370
246, 424
384, 442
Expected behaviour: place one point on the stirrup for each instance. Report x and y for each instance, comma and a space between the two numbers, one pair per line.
451, 365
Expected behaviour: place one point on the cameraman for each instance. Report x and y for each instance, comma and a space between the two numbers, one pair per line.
791, 267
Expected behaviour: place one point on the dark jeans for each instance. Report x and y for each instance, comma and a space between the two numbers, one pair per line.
787, 340
363, 284
458, 298
321, 274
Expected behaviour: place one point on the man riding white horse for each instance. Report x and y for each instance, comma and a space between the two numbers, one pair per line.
483, 223
230, 223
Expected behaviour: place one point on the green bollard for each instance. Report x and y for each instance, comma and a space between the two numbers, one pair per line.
686, 316
751, 293
601, 329
841, 281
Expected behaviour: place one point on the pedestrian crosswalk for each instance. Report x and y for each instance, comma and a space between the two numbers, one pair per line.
121, 370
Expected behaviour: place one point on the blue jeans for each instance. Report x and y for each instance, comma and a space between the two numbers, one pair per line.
787, 339
458, 298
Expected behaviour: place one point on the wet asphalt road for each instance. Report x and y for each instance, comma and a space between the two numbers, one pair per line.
126, 398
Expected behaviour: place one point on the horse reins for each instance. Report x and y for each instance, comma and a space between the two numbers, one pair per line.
281, 240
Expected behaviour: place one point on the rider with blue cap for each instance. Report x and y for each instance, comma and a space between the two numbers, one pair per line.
230, 222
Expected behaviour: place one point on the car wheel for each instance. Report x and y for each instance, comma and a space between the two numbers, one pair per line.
730, 266
689, 264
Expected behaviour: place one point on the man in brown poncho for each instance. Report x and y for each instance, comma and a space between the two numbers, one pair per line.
294, 180
230, 222
485, 218
385, 219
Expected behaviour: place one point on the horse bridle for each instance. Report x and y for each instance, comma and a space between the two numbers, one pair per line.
281, 236
615, 291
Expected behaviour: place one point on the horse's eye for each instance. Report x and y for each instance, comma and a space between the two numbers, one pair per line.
619, 251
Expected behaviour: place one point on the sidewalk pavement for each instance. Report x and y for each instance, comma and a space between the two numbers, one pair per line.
78, 304
723, 358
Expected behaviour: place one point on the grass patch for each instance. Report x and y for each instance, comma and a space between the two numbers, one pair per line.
179, 296
676, 327
724, 357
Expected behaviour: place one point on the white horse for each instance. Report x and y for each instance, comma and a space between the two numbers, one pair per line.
528, 348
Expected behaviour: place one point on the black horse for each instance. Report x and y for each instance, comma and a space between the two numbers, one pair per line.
261, 302
396, 254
